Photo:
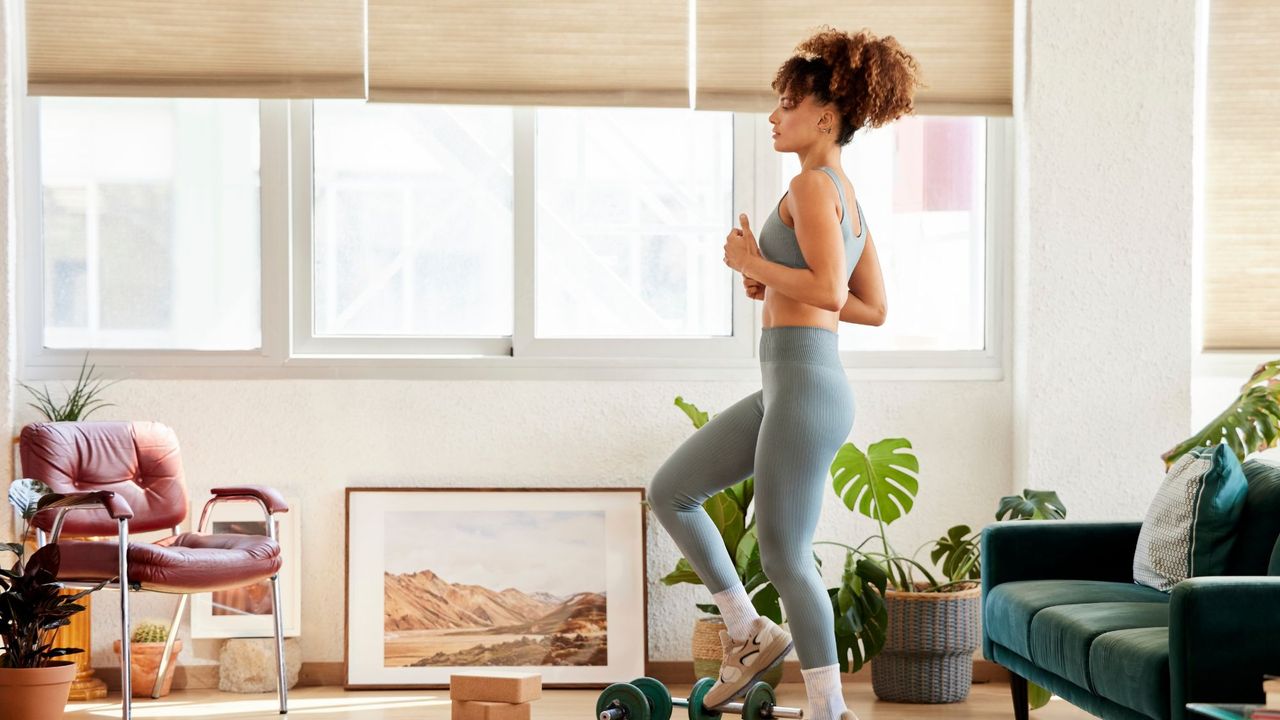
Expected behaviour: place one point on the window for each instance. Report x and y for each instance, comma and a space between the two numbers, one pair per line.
412, 227
921, 183
149, 212
475, 237
632, 206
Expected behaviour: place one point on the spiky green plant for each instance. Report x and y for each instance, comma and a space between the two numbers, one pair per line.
150, 632
81, 400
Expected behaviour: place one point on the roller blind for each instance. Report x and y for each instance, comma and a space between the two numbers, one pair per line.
515, 52
185, 48
1242, 177
964, 49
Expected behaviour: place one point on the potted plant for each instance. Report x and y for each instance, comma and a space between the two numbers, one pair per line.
146, 647
728, 509
922, 626
34, 680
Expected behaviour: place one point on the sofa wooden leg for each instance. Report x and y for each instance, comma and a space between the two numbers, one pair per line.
1018, 685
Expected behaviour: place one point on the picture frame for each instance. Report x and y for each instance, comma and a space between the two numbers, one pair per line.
245, 612
446, 580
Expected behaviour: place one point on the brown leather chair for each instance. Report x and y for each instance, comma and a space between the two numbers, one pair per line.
129, 477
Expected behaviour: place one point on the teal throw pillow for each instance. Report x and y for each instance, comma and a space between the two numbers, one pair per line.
1191, 524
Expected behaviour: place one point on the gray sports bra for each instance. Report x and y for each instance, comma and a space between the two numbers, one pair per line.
778, 242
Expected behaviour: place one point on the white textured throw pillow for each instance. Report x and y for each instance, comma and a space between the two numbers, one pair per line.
1190, 526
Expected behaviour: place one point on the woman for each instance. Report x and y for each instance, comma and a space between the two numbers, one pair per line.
815, 266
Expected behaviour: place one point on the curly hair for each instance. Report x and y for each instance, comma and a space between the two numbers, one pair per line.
870, 80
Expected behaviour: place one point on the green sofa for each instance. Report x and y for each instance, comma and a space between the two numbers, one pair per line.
1060, 609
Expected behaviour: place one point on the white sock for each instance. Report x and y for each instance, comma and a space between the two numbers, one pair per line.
737, 611
826, 701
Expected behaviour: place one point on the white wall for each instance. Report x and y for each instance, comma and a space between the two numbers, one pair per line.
1102, 363
1099, 384
313, 438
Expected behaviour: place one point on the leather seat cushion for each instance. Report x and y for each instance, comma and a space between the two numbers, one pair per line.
189, 562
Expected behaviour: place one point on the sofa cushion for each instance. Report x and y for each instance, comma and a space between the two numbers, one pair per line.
1062, 635
1009, 607
1190, 525
1259, 525
1131, 668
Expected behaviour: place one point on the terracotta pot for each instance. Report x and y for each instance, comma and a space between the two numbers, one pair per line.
707, 651
35, 693
144, 662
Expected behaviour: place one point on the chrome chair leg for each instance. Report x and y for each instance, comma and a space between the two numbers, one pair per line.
279, 621
168, 647
126, 682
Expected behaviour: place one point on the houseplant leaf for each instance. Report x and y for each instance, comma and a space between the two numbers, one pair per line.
880, 484
1032, 505
1249, 424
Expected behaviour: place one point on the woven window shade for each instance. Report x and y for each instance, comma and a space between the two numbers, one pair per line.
184, 48
1242, 177
964, 49
514, 52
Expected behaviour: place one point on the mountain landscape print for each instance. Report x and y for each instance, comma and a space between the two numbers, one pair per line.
499, 588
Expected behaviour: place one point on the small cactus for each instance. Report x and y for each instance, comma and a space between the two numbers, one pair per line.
150, 632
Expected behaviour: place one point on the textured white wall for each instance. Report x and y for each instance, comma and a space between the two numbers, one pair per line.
1101, 341
313, 438
1102, 362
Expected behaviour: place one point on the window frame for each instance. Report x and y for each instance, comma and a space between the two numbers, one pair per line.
289, 350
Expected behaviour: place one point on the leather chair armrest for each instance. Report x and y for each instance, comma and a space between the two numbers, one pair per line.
1224, 635
271, 498
116, 506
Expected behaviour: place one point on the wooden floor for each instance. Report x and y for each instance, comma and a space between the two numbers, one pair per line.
988, 700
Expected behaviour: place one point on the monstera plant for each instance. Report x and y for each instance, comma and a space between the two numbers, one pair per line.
1249, 424
882, 484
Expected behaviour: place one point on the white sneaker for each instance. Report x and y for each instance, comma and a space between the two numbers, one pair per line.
744, 662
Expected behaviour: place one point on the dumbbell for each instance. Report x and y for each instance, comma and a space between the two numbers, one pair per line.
648, 699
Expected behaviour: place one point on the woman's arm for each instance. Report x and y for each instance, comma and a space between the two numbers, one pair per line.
822, 283
866, 303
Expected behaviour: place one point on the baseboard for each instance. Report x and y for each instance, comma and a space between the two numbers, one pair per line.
681, 672
672, 672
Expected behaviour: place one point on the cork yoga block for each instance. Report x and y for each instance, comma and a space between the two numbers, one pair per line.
483, 710
496, 687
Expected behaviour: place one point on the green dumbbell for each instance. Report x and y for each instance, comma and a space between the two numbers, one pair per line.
648, 699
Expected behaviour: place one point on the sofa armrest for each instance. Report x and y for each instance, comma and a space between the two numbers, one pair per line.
1058, 550
272, 499
1224, 635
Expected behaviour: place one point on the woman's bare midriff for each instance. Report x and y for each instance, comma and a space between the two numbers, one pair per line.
782, 310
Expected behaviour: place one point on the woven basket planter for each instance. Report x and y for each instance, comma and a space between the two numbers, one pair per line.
707, 651
928, 649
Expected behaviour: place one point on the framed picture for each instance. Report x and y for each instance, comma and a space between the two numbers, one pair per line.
442, 580
246, 611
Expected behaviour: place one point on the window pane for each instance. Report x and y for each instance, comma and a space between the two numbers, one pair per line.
412, 221
921, 182
632, 206
150, 223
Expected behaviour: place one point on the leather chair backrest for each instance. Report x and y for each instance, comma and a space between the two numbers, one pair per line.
1258, 530
137, 460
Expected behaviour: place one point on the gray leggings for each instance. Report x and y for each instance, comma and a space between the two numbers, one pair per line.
787, 433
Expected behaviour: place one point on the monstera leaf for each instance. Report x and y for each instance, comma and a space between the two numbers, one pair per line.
1032, 505
880, 484
1249, 424
861, 618
959, 553
698, 417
